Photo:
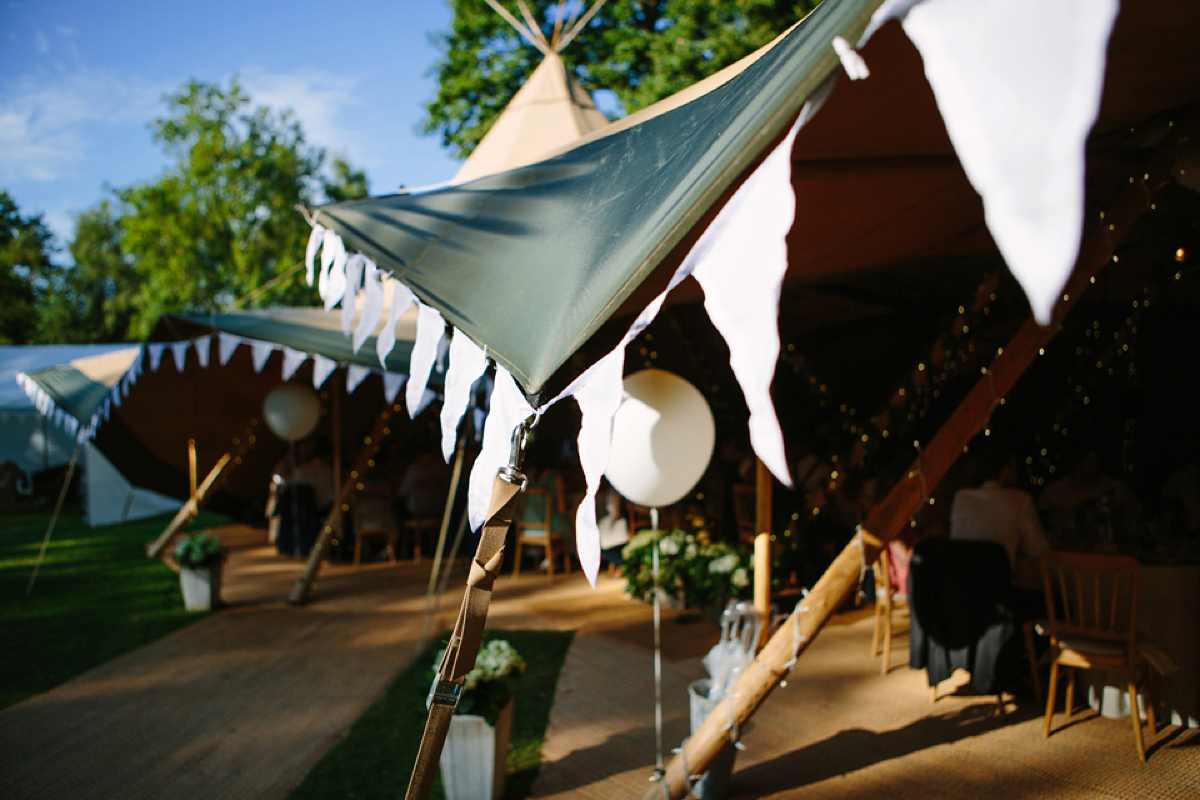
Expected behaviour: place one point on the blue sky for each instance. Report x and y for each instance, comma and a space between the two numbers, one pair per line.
80, 81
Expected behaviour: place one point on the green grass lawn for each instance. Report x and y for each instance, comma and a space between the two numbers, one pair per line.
376, 758
96, 596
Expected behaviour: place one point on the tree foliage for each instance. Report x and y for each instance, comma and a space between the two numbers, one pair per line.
222, 221
94, 300
26, 245
640, 50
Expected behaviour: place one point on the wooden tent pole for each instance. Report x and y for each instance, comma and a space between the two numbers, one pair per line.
762, 546
192, 469
350, 487
338, 520
911, 491
189, 510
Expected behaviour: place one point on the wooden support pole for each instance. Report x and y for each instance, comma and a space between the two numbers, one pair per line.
764, 483
189, 510
350, 487
192, 469
790, 640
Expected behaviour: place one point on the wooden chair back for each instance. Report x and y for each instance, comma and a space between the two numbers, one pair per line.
537, 517
1091, 595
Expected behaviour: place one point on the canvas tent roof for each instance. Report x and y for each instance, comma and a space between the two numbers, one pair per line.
204, 377
575, 235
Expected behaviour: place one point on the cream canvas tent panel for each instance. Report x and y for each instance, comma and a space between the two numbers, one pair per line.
550, 111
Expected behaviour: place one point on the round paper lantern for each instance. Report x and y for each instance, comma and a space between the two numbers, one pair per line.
663, 436
291, 411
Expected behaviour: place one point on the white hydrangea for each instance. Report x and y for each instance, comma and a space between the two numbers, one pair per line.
723, 564
740, 579
668, 546
496, 659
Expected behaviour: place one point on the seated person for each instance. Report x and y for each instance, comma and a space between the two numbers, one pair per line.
1082, 505
996, 511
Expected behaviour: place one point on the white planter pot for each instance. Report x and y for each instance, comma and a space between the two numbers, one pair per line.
201, 587
475, 756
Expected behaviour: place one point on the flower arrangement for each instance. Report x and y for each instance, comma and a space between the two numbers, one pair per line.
690, 566
199, 551
485, 688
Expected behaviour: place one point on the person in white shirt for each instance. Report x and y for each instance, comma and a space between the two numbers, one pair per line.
997, 511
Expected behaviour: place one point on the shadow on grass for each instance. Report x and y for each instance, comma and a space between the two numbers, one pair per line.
376, 757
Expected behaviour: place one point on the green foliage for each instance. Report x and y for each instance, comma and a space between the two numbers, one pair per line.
199, 550
640, 50
94, 300
347, 183
222, 221
701, 572
25, 248
376, 757
96, 596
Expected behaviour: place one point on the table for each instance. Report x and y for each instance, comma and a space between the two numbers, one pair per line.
1169, 617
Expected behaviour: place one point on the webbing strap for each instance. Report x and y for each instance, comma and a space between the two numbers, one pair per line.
467, 637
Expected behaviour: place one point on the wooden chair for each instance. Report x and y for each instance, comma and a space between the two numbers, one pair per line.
535, 528
373, 516
885, 605
426, 503
1091, 605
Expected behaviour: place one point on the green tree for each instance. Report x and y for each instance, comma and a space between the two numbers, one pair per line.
640, 50
347, 183
222, 221
93, 300
26, 245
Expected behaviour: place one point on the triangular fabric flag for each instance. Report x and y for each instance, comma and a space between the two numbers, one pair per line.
331, 246
392, 381
315, 238
509, 408
372, 307
598, 399
260, 352
467, 363
744, 304
402, 299
1019, 135
204, 350
354, 275
156, 353
226, 344
179, 352
431, 329
322, 368
292, 359
355, 374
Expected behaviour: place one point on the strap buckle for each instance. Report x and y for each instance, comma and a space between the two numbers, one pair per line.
444, 693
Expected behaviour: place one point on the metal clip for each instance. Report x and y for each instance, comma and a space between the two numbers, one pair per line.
512, 472
444, 693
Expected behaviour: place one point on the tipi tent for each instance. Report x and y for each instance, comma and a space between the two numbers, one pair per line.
38, 436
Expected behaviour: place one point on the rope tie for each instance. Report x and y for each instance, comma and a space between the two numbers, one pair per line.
691, 779
798, 640
732, 727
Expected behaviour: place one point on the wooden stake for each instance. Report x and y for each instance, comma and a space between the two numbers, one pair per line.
908, 495
350, 487
192, 469
189, 510
764, 483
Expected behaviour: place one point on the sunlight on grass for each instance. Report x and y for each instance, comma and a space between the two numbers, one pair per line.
96, 596
376, 758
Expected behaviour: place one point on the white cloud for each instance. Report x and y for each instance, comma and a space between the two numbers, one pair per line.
47, 124
324, 104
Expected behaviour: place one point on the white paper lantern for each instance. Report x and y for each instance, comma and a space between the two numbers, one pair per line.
291, 411
663, 436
